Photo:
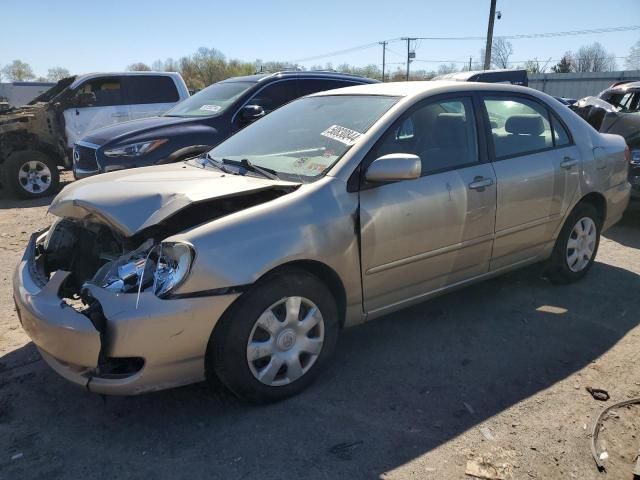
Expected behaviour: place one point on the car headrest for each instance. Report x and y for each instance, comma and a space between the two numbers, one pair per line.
530, 124
449, 130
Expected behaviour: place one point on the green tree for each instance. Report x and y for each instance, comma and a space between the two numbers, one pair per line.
565, 65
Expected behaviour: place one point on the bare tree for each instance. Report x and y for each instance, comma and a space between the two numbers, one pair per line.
594, 58
444, 68
168, 65
633, 60
18, 71
565, 65
57, 73
139, 67
501, 51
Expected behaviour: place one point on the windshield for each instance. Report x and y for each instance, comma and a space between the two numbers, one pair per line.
303, 139
211, 101
623, 101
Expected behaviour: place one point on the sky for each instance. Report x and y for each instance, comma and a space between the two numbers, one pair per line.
107, 36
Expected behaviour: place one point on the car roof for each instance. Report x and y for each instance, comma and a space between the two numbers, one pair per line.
417, 88
623, 87
81, 78
261, 77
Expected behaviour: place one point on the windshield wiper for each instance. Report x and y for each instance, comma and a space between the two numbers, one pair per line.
216, 163
247, 165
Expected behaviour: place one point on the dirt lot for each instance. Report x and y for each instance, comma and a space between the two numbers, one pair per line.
408, 396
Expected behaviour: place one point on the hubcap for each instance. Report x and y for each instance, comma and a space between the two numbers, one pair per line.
34, 176
285, 341
581, 244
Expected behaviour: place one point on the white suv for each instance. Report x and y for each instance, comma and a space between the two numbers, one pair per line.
115, 98
37, 138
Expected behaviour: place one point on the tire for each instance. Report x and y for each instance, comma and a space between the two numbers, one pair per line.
228, 350
30, 174
563, 268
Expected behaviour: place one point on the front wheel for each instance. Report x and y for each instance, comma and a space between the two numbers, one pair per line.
274, 341
576, 247
30, 174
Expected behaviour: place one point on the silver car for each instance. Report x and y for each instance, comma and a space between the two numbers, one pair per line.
245, 264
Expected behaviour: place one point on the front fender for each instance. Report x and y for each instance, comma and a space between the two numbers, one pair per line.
317, 222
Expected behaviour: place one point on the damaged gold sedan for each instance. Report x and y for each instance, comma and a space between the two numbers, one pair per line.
244, 264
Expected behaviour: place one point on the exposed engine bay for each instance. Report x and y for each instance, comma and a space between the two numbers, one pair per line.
96, 254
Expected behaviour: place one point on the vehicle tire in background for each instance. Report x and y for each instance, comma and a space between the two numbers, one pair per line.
275, 339
576, 246
30, 174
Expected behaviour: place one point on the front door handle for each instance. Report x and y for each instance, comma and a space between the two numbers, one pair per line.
480, 183
568, 163
119, 115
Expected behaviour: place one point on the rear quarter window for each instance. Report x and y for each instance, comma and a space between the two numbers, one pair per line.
145, 89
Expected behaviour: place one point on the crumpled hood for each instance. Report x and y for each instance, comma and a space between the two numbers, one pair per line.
132, 200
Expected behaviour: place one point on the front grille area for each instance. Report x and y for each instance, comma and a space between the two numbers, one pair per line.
84, 158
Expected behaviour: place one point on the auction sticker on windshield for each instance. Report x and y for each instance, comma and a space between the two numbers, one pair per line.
211, 108
341, 134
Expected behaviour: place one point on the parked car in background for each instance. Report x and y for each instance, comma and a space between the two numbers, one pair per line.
245, 264
37, 138
514, 77
617, 110
199, 123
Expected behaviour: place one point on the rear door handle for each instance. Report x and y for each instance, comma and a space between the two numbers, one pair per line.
568, 163
480, 183
119, 115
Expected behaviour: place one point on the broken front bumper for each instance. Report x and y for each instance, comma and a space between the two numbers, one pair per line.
170, 336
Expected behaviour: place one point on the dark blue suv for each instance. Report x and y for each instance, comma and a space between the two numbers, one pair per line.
200, 122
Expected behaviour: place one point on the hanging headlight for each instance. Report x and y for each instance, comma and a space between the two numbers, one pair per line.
134, 149
172, 268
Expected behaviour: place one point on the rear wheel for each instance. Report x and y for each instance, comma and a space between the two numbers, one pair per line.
30, 174
275, 339
576, 247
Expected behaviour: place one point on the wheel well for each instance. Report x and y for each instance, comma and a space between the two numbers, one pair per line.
598, 201
26, 141
326, 275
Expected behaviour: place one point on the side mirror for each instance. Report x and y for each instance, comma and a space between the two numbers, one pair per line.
251, 113
394, 167
85, 99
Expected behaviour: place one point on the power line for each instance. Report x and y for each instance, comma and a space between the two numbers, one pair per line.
594, 31
509, 62
337, 52
543, 35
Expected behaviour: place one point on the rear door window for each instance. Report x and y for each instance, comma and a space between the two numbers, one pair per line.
145, 89
518, 126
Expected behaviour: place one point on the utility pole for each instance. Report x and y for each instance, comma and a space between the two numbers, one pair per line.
384, 51
410, 54
469, 63
487, 50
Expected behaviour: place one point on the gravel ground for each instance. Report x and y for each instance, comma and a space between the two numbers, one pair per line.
485, 374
